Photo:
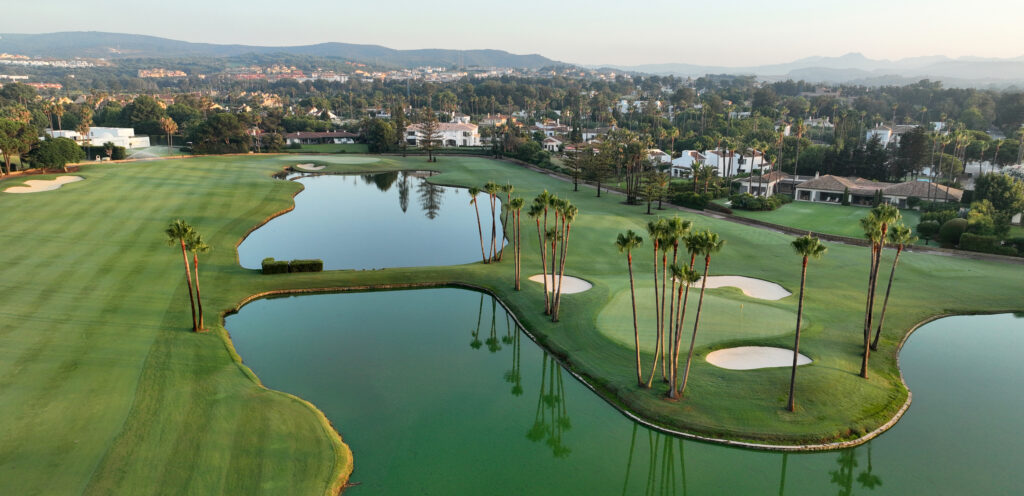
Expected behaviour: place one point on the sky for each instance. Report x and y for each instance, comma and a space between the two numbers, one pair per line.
705, 32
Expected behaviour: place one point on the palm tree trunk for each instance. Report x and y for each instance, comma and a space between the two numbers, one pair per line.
636, 330
543, 264
672, 308
199, 298
188, 279
561, 271
674, 346
657, 318
664, 322
480, 229
679, 338
885, 303
504, 226
696, 322
494, 232
796, 344
515, 247
867, 313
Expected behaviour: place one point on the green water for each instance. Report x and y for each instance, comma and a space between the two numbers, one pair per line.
437, 393
373, 221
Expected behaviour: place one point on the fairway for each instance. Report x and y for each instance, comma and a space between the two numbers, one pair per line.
103, 389
824, 218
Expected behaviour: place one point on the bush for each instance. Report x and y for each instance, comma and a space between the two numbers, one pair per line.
118, 152
937, 206
913, 201
54, 153
928, 229
939, 217
1018, 242
294, 146
951, 231
314, 265
689, 199
714, 207
746, 201
985, 244
271, 266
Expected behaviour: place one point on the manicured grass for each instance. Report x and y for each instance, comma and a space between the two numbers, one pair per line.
823, 218
104, 390
329, 148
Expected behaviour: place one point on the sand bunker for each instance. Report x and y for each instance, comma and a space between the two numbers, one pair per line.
309, 167
570, 284
754, 288
754, 357
37, 185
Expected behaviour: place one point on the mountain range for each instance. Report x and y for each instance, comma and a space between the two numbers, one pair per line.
852, 68
91, 44
856, 68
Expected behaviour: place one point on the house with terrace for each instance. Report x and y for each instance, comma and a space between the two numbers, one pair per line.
767, 185
831, 189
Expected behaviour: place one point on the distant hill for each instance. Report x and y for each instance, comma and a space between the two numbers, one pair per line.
856, 68
118, 46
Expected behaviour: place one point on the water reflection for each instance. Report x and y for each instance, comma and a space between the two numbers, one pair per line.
551, 420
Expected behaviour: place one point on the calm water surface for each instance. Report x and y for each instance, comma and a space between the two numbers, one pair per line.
372, 221
437, 393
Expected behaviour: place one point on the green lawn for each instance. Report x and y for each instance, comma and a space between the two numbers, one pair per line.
329, 148
823, 218
103, 390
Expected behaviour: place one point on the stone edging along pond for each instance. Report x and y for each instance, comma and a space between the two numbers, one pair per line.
605, 395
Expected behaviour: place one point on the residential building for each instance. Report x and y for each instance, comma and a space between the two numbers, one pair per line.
452, 134
682, 166
98, 136
659, 157
831, 189
768, 185
551, 144
320, 138
494, 120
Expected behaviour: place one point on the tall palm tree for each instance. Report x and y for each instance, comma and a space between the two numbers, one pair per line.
516, 206
655, 228
901, 236
537, 211
800, 130
569, 213
807, 247
473, 192
686, 277
195, 244
677, 229
169, 127
180, 231
506, 188
58, 111
627, 243
876, 226
709, 244
492, 189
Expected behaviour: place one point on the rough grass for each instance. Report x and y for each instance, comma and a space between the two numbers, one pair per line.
103, 389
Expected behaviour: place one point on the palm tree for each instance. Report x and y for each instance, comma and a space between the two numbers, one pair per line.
569, 213
677, 229
507, 188
473, 192
800, 130
196, 245
876, 226
536, 211
169, 127
709, 243
58, 111
686, 277
492, 189
179, 232
901, 236
516, 206
654, 230
807, 247
627, 243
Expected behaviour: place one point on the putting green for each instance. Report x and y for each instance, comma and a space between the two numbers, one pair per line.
722, 319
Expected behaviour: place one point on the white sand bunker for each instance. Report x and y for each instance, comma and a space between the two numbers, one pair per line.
754, 288
754, 357
309, 167
37, 185
569, 284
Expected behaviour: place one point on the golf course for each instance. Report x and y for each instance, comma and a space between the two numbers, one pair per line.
104, 389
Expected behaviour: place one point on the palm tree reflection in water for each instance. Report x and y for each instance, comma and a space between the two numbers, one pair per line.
551, 419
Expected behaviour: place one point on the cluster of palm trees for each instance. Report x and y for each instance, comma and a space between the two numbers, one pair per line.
181, 233
881, 225
668, 234
557, 238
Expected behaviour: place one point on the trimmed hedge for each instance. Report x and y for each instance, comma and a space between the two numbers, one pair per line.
689, 199
271, 266
747, 201
985, 244
951, 231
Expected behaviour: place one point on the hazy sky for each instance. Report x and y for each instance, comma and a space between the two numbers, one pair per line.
710, 32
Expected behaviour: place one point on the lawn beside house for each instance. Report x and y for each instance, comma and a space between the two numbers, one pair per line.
825, 218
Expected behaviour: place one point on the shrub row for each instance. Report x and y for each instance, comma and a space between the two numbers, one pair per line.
271, 266
747, 201
689, 199
985, 244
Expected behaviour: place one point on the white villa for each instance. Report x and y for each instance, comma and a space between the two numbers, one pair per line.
831, 189
726, 163
659, 157
320, 138
551, 144
119, 136
452, 134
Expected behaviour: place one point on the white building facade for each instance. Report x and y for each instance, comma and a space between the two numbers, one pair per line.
451, 134
98, 136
